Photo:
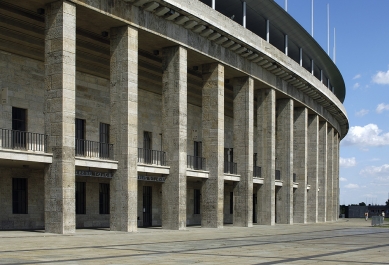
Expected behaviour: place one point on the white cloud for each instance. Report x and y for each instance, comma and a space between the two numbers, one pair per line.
356, 85
347, 162
361, 113
369, 135
342, 179
357, 76
381, 107
380, 171
352, 186
381, 78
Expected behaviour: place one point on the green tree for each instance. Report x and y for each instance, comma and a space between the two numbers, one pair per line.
362, 204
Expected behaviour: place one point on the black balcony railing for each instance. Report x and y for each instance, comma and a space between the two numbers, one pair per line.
20, 140
94, 149
294, 177
278, 175
195, 162
230, 167
151, 157
257, 172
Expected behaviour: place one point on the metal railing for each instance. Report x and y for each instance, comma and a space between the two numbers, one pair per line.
20, 140
151, 157
93, 149
195, 162
278, 175
294, 177
257, 172
230, 168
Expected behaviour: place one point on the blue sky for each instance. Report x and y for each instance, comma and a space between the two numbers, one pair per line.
362, 43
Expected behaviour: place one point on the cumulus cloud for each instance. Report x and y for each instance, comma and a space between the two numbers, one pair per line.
357, 76
369, 135
380, 171
362, 113
381, 107
381, 78
356, 85
347, 162
342, 179
352, 186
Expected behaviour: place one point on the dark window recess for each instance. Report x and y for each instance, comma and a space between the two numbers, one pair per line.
19, 126
147, 206
80, 137
19, 196
104, 140
231, 202
80, 198
104, 198
197, 201
198, 151
147, 146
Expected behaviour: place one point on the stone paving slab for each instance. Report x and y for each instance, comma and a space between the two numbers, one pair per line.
348, 241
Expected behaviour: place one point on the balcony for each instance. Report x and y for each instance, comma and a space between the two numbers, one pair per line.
278, 175
196, 162
151, 157
230, 168
23, 141
257, 172
91, 149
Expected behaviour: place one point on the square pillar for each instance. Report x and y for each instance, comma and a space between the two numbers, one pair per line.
312, 168
243, 150
300, 151
322, 175
124, 127
284, 160
330, 174
266, 126
335, 201
174, 134
60, 106
213, 144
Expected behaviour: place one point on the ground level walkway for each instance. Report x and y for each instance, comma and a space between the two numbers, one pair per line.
348, 241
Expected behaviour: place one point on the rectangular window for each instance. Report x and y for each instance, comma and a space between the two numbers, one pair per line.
231, 202
80, 137
104, 198
147, 146
19, 126
19, 196
197, 152
80, 198
197, 201
104, 140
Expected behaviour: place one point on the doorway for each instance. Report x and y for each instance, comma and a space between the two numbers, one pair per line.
147, 216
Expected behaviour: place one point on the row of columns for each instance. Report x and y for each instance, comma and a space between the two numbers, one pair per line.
288, 139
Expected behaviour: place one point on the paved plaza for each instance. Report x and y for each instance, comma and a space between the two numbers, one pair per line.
348, 241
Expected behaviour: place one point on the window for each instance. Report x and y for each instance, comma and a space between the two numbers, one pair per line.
80, 198
104, 198
19, 128
147, 145
196, 201
104, 140
231, 202
80, 137
19, 195
197, 161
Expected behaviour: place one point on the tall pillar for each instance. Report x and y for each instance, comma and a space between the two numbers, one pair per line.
300, 144
284, 160
312, 168
266, 126
60, 98
174, 133
124, 127
213, 144
322, 175
336, 177
243, 150
330, 174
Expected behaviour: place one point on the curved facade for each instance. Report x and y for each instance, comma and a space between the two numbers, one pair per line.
169, 113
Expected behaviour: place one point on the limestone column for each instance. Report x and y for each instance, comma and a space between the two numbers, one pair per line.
330, 175
312, 168
213, 144
336, 177
284, 160
243, 150
124, 127
60, 95
300, 151
322, 175
266, 126
174, 133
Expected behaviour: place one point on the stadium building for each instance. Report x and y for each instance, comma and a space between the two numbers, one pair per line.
138, 113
